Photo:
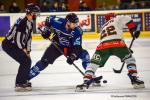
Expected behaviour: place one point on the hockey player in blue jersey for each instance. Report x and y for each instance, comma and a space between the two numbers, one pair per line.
67, 35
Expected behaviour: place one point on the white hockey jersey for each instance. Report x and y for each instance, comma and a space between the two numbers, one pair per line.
113, 29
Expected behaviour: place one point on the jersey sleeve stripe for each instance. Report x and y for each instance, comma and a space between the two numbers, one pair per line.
18, 40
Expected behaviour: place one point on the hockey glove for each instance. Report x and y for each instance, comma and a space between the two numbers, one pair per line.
46, 33
71, 59
136, 34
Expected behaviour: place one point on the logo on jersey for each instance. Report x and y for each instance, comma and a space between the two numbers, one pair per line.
64, 41
96, 57
77, 41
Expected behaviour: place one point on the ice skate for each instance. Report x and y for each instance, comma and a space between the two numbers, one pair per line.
97, 81
136, 82
82, 87
23, 87
87, 83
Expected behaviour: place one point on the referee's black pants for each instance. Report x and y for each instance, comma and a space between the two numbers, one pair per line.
20, 56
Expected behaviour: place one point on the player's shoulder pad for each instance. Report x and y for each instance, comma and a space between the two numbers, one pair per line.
49, 19
59, 20
55, 20
123, 17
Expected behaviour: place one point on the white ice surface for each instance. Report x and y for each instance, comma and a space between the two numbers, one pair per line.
58, 81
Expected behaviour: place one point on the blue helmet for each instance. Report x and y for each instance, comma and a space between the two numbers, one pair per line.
72, 17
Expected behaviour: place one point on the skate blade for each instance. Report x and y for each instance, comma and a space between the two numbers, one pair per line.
96, 84
136, 86
79, 89
20, 89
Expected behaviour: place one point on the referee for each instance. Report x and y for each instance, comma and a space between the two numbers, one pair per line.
17, 44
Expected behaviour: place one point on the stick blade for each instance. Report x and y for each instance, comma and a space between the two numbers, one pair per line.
117, 71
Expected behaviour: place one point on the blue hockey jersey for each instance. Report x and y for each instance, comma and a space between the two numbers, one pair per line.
65, 38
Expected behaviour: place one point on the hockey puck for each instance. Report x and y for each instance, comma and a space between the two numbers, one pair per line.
104, 81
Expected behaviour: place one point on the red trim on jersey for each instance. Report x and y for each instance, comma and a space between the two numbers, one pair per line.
111, 44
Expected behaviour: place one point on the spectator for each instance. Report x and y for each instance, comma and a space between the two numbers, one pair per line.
133, 5
103, 6
142, 5
116, 7
64, 7
113, 7
2, 8
45, 6
110, 7
14, 8
55, 7
123, 4
84, 7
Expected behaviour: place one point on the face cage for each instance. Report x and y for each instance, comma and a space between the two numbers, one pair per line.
36, 13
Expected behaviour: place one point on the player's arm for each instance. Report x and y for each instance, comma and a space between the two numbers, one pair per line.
135, 32
20, 35
28, 46
76, 49
47, 28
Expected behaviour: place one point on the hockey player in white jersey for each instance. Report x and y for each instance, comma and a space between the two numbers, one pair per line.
112, 43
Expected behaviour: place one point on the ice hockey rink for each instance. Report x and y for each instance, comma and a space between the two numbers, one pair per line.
58, 81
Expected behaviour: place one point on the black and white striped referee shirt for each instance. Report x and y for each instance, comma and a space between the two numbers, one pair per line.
21, 33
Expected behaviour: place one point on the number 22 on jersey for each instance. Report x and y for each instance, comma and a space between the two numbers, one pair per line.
110, 30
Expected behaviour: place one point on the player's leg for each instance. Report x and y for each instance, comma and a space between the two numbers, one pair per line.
98, 60
49, 56
125, 55
25, 63
132, 73
22, 75
85, 57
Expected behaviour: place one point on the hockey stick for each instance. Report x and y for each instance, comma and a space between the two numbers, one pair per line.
89, 81
56, 46
86, 84
120, 70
